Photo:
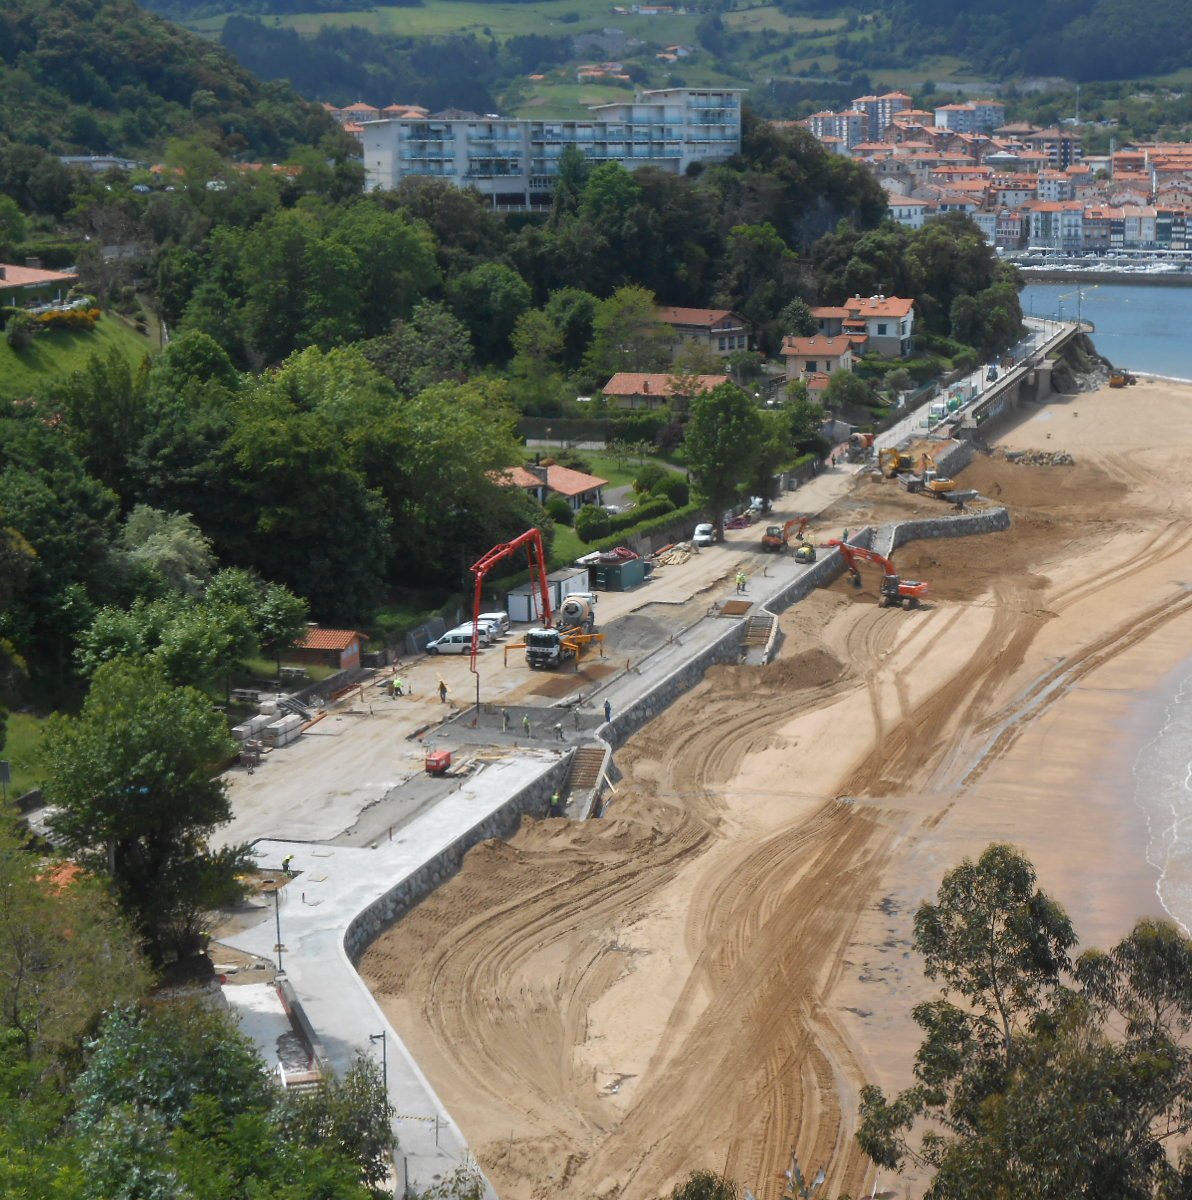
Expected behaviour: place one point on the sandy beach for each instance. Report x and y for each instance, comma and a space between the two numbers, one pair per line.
706, 978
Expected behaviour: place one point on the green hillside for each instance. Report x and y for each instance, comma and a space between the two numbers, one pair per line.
61, 352
105, 76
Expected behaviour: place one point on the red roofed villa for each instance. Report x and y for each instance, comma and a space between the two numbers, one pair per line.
887, 321
717, 329
544, 481
817, 355
638, 389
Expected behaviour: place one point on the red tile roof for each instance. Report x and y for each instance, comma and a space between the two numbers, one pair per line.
14, 276
562, 480
819, 345
329, 639
880, 306
637, 383
693, 316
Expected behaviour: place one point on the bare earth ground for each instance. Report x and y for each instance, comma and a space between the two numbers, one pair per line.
707, 977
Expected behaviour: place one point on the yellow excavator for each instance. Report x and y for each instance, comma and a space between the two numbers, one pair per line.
929, 479
893, 462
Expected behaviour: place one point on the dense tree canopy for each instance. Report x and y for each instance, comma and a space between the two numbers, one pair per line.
1045, 1076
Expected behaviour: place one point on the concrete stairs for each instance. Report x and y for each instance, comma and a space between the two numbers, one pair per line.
757, 631
586, 766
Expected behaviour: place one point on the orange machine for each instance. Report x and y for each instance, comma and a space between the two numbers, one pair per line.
895, 590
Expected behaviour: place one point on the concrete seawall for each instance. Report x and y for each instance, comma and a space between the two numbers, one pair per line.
404, 894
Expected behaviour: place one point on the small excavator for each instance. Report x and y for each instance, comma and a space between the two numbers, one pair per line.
777, 537
895, 591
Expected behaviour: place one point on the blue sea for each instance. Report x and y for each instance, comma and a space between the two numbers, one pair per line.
1144, 329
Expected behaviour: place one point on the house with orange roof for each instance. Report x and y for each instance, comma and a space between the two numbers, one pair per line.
360, 112
716, 329
887, 322
338, 648
819, 354
21, 286
543, 480
651, 390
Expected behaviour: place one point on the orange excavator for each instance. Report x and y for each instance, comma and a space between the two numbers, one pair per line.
895, 590
777, 537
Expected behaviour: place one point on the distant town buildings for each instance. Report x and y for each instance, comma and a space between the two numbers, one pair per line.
514, 162
1023, 186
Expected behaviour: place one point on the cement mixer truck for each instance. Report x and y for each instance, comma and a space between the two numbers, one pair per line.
575, 628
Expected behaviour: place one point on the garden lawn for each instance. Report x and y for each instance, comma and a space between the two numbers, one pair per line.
62, 352
23, 751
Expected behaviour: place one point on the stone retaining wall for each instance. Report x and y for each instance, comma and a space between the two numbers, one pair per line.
399, 899
727, 648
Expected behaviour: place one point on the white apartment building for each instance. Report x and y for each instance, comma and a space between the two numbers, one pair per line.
974, 116
514, 161
848, 127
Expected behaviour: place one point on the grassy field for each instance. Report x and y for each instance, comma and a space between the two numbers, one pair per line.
768, 19
60, 353
501, 20
21, 750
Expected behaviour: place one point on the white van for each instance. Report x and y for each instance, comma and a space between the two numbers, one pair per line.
451, 643
486, 631
499, 619
937, 412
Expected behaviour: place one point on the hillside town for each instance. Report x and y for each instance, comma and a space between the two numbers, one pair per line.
1022, 186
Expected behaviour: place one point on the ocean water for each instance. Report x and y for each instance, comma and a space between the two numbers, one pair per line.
1142, 328
1163, 794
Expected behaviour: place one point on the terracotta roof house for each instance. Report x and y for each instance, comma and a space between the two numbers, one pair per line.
542, 482
636, 389
20, 286
338, 648
717, 329
887, 321
818, 355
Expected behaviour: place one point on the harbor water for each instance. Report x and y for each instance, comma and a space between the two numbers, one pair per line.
1140, 328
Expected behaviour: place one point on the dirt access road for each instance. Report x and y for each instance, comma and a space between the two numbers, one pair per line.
705, 978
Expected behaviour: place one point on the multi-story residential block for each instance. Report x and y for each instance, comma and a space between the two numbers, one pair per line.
974, 116
880, 111
909, 212
514, 162
1057, 225
1054, 186
850, 126
1060, 147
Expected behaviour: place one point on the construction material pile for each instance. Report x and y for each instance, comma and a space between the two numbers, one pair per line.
675, 554
1041, 458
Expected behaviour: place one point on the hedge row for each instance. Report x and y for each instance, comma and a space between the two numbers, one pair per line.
647, 527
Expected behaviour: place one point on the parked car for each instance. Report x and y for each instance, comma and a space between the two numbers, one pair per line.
704, 534
991, 375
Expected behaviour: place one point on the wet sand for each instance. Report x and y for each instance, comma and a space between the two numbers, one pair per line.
708, 976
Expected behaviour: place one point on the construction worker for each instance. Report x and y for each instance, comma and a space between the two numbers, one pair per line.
526, 727
608, 710
740, 582
556, 805
442, 692
575, 716
285, 864
559, 730
399, 687
504, 720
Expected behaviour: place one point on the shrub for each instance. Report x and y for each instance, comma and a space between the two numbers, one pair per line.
677, 517
674, 487
560, 511
648, 478
21, 330
81, 319
592, 522
669, 438
659, 507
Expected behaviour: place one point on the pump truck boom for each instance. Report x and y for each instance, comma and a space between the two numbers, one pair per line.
894, 590
536, 552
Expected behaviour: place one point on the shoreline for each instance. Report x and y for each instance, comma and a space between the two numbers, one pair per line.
707, 976
1061, 275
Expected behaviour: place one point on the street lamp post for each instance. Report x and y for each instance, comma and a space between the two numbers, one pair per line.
278, 947
380, 1037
